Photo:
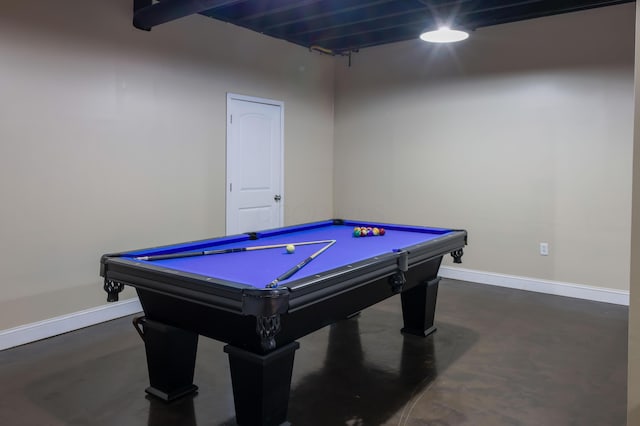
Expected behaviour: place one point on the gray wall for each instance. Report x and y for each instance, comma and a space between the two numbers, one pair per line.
521, 134
113, 138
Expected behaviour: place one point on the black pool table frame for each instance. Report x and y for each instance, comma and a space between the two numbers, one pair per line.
260, 326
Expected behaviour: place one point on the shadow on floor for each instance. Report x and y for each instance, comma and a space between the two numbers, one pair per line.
360, 371
367, 383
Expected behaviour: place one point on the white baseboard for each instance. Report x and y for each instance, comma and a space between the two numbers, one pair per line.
63, 324
598, 294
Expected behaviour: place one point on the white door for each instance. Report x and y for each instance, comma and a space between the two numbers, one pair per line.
254, 164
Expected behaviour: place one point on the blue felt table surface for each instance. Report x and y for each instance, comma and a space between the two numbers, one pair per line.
258, 268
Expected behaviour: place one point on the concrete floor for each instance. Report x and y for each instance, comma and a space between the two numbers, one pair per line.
499, 357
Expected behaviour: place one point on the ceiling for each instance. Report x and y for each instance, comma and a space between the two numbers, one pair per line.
343, 26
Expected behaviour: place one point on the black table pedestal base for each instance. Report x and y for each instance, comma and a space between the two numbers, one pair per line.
419, 308
171, 359
261, 384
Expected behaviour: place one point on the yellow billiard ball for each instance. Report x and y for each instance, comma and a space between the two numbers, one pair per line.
290, 248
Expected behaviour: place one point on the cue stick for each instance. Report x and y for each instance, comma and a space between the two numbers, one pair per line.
299, 266
223, 251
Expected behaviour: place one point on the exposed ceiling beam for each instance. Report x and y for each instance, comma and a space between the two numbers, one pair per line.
147, 14
347, 25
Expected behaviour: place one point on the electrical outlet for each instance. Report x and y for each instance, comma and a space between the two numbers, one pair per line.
544, 249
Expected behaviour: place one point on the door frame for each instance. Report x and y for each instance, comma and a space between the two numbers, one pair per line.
237, 97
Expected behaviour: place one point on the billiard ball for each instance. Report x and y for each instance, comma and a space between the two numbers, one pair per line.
290, 248
381, 231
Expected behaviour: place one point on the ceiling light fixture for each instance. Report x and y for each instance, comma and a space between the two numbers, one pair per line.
444, 35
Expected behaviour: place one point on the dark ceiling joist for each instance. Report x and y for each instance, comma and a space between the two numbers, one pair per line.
266, 9
522, 11
147, 14
332, 19
415, 26
309, 14
343, 26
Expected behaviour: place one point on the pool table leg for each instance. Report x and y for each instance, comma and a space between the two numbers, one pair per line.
419, 308
261, 384
171, 359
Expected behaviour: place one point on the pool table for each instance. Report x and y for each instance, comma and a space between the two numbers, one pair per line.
234, 289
